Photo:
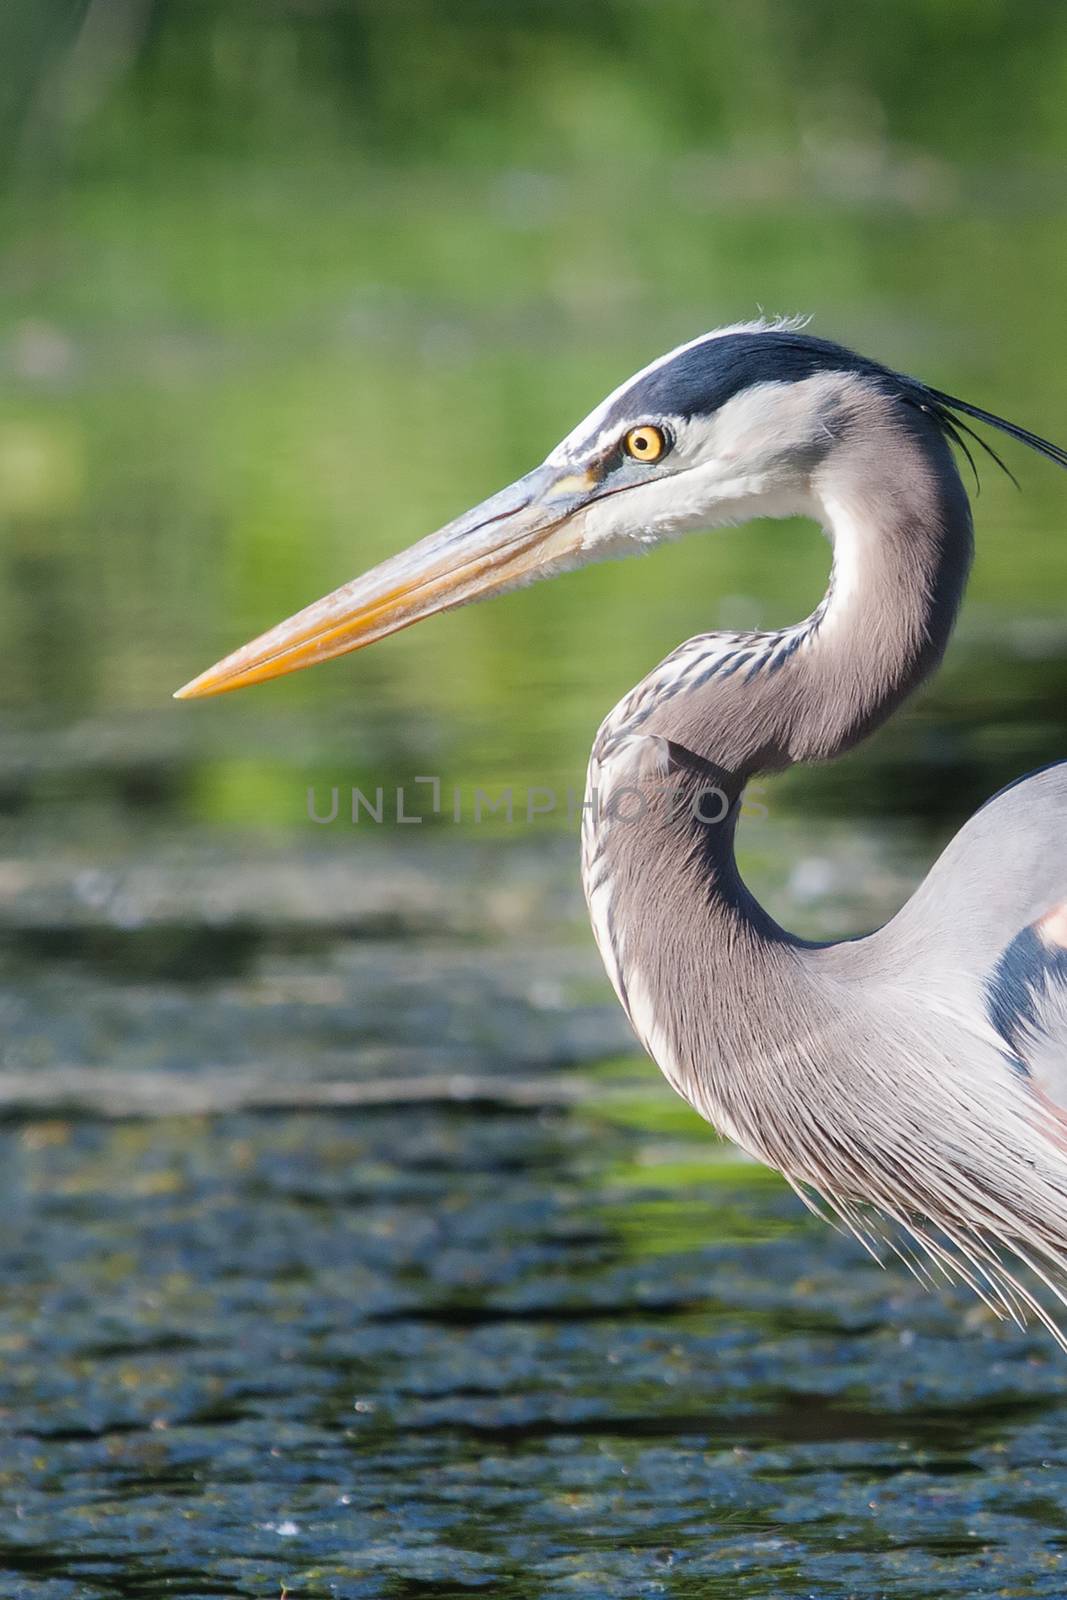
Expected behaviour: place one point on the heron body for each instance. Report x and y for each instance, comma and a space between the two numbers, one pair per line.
915, 1079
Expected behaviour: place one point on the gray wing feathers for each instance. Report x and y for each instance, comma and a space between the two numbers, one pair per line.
1004, 870
1043, 1046
982, 943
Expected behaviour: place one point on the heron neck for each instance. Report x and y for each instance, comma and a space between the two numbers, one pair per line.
711, 983
900, 524
899, 521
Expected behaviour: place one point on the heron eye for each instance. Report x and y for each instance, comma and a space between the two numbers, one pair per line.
646, 443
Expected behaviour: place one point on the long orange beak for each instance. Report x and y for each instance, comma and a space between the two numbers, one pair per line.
527, 530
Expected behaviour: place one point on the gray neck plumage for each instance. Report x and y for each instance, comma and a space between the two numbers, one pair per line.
900, 524
702, 969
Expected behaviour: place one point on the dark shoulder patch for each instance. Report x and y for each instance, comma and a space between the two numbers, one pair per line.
1032, 962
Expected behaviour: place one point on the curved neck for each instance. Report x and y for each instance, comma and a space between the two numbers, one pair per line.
900, 524
714, 988
899, 521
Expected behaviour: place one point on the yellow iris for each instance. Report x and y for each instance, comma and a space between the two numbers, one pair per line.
646, 443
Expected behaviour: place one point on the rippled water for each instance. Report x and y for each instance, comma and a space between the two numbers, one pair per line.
446, 1351
471, 1303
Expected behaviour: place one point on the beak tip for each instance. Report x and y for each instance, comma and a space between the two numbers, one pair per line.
197, 688
439, 573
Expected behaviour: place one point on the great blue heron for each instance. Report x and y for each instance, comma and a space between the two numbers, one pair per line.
914, 1079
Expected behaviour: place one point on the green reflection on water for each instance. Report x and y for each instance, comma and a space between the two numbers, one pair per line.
262, 325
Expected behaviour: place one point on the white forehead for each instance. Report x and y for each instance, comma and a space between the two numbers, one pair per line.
591, 435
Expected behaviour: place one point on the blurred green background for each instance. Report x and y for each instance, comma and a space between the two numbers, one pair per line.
286, 284
326, 1159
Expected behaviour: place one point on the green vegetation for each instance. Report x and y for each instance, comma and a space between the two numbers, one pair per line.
283, 287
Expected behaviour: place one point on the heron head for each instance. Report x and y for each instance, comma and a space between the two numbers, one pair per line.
732, 425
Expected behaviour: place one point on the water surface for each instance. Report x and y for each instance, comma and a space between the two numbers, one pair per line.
349, 1249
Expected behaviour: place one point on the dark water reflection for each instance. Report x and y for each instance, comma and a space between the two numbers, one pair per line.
428, 1355
509, 1321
